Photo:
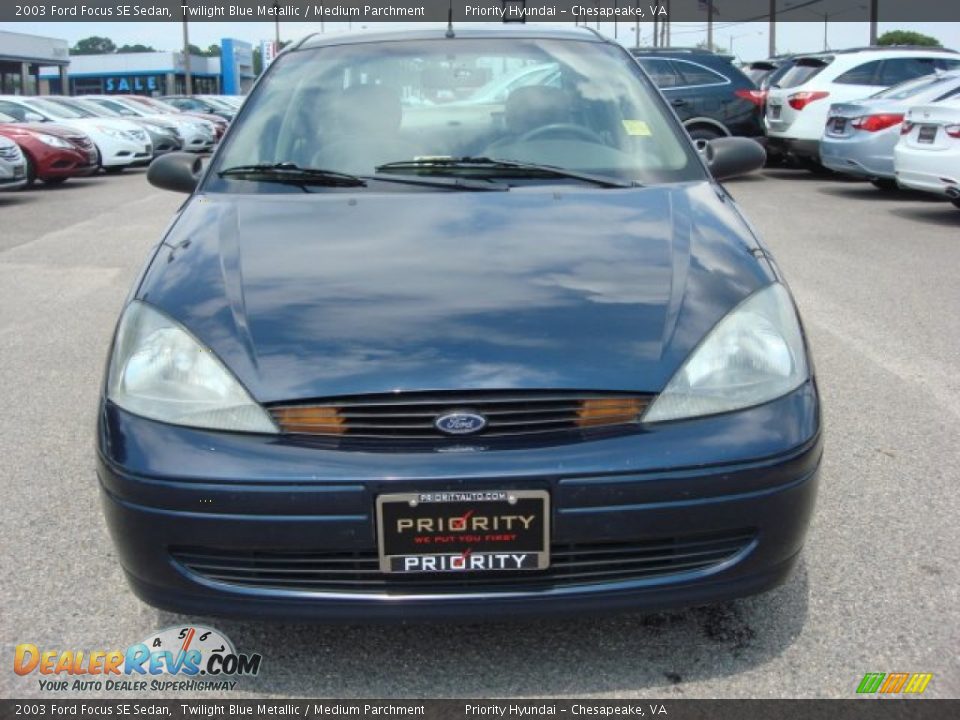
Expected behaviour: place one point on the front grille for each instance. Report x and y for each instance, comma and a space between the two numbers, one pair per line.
82, 141
507, 413
570, 566
10, 153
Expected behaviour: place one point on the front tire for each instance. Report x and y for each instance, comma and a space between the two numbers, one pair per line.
704, 133
114, 169
815, 167
956, 202
885, 184
31, 171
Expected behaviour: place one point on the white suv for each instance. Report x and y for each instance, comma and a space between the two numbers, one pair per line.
798, 104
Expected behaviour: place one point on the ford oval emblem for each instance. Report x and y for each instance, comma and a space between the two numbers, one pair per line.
460, 423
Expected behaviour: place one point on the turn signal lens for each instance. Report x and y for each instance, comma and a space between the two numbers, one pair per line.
310, 420
609, 411
757, 97
798, 101
875, 123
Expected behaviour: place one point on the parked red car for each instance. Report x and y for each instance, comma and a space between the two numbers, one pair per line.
53, 152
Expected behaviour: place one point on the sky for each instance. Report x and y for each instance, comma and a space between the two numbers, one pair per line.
747, 40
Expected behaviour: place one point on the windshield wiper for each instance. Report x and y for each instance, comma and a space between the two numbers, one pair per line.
495, 164
288, 172
293, 174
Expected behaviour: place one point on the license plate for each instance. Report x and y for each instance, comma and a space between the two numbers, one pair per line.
838, 125
775, 111
464, 531
18, 171
927, 133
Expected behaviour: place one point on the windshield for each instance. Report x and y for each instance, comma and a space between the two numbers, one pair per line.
157, 105
217, 103
916, 86
801, 71
54, 109
73, 106
120, 108
93, 106
581, 106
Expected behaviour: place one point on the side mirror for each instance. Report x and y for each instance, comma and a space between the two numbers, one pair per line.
177, 171
728, 157
33, 117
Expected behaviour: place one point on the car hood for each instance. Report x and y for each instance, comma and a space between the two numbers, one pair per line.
90, 125
34, 129
341, 293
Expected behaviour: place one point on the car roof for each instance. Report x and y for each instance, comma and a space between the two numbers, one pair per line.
884, 51
491, 31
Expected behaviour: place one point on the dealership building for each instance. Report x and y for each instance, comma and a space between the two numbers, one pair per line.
148, 73
23, 56
157, 73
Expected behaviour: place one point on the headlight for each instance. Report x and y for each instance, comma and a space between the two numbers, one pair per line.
53, 140
754, 355
160, 371
112, 132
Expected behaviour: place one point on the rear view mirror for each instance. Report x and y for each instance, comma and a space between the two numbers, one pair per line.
728, 157
177, 171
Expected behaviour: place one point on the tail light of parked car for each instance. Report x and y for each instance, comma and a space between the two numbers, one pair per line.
798, 101
906, 127
757, 97
875, 123
952, 130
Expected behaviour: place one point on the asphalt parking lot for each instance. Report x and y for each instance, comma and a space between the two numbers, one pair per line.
878, 589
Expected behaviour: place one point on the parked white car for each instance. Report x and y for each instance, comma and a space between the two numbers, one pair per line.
197, 134
928, 154
13, 166
120, 143
798, 104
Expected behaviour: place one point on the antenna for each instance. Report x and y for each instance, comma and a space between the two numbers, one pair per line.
450, 21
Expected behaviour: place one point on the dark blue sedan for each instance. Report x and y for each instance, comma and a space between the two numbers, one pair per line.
434, 336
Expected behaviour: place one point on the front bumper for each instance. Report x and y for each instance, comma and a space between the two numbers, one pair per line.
13, 174
751, 474
125, 154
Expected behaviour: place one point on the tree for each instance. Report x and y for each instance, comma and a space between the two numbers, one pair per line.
716, 48
93, 45
907, 37
213, 51
137, 48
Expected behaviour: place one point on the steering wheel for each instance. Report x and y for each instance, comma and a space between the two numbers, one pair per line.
561, 129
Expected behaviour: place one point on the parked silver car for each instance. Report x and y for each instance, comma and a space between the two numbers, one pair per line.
859, 137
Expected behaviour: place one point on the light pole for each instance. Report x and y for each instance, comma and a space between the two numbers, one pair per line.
772, 49
187, 79
827, 15
636, 29
710, 25
276, 15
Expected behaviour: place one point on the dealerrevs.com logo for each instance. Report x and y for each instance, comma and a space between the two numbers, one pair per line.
177, 658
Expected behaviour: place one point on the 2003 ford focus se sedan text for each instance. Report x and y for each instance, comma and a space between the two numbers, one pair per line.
434, 336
